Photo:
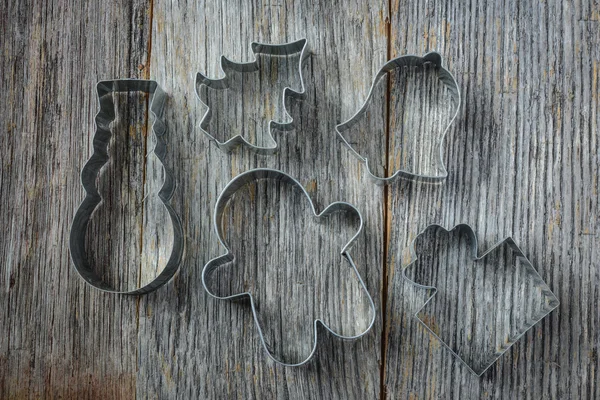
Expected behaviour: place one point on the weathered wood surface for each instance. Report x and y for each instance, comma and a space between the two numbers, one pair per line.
522, 157
523, 162
59, 338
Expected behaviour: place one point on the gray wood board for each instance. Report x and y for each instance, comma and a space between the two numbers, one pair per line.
523, 162
59, 338
181, 328
522, 159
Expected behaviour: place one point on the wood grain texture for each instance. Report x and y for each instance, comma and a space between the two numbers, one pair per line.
522, 160
59, 338
195, 346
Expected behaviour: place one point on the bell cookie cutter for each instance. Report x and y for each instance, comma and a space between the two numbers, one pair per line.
547, 301
286, 124
91, 171
265, 173
444, 76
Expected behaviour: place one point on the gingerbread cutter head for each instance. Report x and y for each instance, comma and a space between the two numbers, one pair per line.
282, 122
219, 224
445, 77
91, 171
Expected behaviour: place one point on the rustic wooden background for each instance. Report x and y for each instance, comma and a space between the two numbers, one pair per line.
522, 160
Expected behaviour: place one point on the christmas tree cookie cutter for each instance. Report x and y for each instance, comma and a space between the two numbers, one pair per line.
220, 225
283, 124
526, 288
92, 170
444, 76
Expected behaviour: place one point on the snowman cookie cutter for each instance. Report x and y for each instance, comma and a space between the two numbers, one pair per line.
92, 170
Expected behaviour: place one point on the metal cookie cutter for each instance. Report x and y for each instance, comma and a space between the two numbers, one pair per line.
444, 76
258, 174
91, 171
283, 124
487, 321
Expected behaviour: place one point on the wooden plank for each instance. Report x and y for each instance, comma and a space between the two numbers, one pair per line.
522, 159
522, 162
61, 337
195, 346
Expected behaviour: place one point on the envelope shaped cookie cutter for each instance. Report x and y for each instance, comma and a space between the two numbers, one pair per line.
407, 61
281, 122
92, 170
477, 325
220, 226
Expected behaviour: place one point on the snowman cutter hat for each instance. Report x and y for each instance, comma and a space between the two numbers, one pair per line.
92, 170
